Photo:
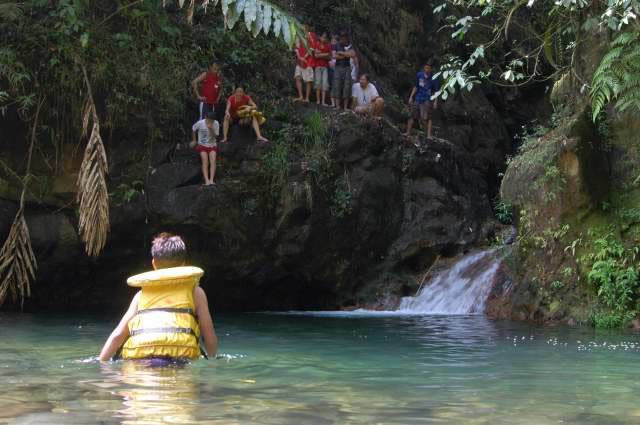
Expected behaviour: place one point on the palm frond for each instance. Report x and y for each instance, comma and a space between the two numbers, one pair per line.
10, 10
93, 195
17, 262
260, 16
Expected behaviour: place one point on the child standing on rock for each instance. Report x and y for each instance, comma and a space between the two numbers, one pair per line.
205, 133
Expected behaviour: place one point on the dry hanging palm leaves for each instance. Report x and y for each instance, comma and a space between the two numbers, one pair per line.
17, 262
92, 185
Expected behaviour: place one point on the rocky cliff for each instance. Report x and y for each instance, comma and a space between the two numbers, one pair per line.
290, 248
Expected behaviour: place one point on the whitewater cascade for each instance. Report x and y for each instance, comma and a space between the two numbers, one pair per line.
461, 289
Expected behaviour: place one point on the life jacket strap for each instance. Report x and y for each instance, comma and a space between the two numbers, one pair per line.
135, 332
168, 310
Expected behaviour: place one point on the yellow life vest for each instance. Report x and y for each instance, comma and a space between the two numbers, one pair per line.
247, 111
165, 324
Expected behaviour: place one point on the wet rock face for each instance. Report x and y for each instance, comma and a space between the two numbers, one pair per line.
282, 249
294, 253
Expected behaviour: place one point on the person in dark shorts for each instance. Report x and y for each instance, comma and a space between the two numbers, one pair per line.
342, 83
420, 103
208, 89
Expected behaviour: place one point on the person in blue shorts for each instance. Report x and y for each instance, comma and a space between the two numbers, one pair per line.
420, 103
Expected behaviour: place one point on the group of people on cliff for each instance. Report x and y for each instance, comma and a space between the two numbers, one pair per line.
330, 65
240, 109
327, 63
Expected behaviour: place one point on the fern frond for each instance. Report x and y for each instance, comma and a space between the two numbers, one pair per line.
617, 77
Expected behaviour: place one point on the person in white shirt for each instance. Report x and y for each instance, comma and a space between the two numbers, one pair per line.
366, 99
205, 133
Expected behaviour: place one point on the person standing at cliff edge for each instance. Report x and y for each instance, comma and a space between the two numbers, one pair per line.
342, 84
421, 105
209, 97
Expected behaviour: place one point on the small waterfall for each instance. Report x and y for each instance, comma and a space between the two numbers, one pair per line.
462, 289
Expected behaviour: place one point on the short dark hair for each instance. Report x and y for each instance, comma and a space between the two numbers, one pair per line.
211, 116
365, 76
344, 34
168, 250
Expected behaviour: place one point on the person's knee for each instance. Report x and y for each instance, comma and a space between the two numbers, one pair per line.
380, 102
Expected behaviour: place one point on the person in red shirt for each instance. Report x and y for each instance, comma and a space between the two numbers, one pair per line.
208, 89
237, 100
322, 55
303, 72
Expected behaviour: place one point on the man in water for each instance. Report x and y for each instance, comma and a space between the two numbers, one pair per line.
366, 100
420, 102
211, 92
169, 314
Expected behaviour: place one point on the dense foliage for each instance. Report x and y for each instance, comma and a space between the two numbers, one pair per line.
124, 67
544, 41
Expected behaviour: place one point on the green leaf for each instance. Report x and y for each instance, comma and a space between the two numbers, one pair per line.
240, 6
225, 6
277, 24
250, 13
84, 40
257, 23
294, 33
286, 30
266, 18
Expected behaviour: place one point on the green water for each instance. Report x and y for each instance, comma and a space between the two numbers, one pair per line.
279, 369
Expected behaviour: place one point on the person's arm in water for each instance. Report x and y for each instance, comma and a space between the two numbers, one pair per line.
195, 83
205, 321
120, 333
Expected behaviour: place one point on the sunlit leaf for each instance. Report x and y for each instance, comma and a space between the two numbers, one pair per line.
250, 13
286, 30
266, 19
277, 24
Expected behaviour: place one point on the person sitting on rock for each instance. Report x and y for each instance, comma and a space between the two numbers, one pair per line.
205, 132
168, 315
420, 102
236, 101
366, 100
